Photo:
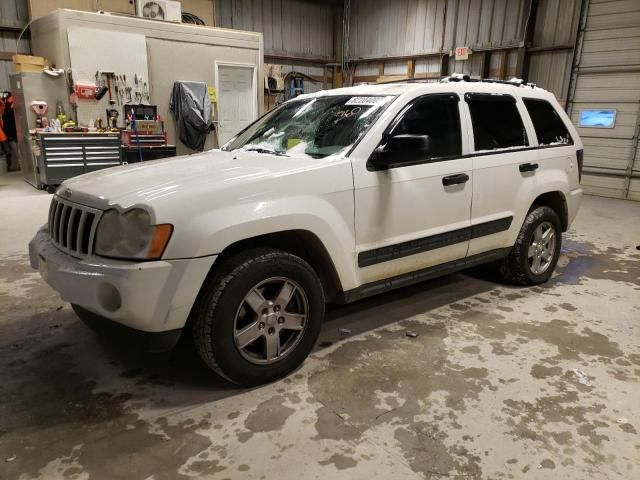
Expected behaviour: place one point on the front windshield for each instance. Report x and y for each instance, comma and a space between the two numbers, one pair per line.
315, 127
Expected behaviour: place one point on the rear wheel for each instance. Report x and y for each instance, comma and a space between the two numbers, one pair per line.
537, 249
258, 316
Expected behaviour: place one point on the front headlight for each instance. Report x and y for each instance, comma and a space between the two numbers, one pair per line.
131, 235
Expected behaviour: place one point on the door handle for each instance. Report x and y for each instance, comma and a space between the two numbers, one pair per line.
455, 179
528, 167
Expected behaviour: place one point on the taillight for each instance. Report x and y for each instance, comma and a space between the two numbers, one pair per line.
580, 157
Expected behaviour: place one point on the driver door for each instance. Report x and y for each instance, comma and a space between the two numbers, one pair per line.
416, 214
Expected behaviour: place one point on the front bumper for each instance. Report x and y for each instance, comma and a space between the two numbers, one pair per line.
148, 296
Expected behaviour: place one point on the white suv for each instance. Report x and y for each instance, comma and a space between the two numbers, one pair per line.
333, 196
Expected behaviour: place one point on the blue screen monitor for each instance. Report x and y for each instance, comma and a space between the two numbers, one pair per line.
592, 118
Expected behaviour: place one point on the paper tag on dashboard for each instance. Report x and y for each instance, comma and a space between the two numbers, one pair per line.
366, 100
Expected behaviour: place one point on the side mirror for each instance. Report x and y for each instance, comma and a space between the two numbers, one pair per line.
398, 150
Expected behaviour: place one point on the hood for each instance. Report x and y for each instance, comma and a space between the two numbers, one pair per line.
162, 180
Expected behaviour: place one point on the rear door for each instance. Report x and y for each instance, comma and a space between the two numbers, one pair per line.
504, 169
416, 214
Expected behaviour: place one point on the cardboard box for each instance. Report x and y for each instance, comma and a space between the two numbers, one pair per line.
29, 63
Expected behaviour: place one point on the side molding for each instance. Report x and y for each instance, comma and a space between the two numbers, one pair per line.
412, 247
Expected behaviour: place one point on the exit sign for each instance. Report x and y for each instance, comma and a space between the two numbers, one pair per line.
462, 53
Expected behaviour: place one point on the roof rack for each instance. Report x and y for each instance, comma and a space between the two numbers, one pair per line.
460, 77
513, 81
406, 80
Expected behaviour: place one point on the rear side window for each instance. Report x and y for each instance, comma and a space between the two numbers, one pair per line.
549, 127
496, 122
437, 116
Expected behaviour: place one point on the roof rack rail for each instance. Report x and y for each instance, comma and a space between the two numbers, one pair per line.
406, 80
459, 77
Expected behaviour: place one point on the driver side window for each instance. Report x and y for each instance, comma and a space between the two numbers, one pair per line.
437, 116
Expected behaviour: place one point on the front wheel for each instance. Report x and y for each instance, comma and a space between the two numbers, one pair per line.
258, 316
537, 249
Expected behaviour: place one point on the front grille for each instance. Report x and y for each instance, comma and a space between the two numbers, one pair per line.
72, 227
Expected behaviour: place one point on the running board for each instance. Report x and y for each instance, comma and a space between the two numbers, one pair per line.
411, 278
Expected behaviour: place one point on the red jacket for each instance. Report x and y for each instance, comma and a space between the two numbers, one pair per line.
3, 137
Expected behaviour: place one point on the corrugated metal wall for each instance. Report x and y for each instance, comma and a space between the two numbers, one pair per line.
382, 28
13, 15
556, 26
608, 76
291, 28
404, 28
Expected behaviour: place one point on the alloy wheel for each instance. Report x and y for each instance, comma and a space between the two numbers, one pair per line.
271, 320
542, 248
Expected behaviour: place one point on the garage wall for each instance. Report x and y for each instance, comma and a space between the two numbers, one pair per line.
495, 30
298, 36
291, 28
555, 28
608, 76
380, 28
14, 14
40, 8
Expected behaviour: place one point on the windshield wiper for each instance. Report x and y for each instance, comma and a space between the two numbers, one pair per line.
259, 149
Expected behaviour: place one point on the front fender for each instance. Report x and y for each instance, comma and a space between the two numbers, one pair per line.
329, 218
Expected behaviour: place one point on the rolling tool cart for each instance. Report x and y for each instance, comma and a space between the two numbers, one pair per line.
65, 155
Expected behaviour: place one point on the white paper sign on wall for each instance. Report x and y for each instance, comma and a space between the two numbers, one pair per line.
462, 53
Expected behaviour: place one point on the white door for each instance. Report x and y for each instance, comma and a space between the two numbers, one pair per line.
236, 100
416, 214
504, 170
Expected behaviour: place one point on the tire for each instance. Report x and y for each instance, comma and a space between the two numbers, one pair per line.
227, 306
518, 267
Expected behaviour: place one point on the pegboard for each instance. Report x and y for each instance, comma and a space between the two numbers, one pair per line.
93, 50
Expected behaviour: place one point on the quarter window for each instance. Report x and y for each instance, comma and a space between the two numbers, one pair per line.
550, 129
437, 116
496, 122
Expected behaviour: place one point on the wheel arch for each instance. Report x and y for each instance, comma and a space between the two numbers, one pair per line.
557, 202
302, 243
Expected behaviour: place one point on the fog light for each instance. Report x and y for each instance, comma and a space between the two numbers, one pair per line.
109, 297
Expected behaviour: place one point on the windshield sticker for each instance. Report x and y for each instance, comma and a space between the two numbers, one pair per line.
366, 100
292, 142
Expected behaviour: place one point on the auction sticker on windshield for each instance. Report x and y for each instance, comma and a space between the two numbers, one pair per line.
367, 100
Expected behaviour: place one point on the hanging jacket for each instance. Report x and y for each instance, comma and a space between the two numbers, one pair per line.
191, 108
3, 137
9, 119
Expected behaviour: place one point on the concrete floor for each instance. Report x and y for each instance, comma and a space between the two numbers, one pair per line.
500, 382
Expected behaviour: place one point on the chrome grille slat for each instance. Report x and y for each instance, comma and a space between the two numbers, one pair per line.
52, 210
72, 227
71, 218
56, 222
92, 235
63, 225
81, 227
